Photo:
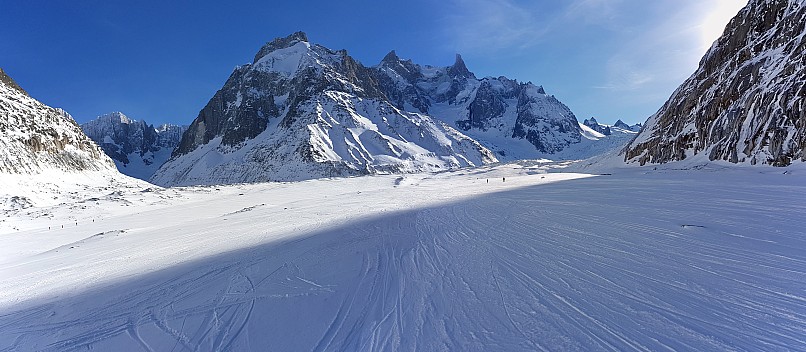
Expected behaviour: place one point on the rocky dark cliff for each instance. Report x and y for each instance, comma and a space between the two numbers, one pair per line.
745, 102
9, 82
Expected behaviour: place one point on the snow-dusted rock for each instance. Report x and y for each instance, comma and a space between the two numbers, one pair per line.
37, 138
45, 158
745, 103
624, 126
137, 148
302, 111
515, 120
594, 125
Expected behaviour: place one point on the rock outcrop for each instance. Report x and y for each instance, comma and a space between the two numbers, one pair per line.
594, 125
745, 103
37, 138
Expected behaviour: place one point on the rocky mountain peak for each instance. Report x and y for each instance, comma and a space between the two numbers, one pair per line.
622, 124
280, 43
594, 125
390, 58
8, 81
459, 69
306, 111
116, 116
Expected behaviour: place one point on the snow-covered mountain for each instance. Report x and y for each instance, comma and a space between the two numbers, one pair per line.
515, 120
301, 111
37, 138
137, 148
45, 158
745, 102
623, 125
594, 125
599, 139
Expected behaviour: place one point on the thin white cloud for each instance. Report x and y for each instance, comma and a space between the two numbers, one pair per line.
594, 12
491, 25
648, 47
668, 52
713, 23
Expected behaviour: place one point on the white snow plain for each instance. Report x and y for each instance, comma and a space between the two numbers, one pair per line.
704, 259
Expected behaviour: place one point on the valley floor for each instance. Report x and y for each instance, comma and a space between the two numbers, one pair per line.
641, 259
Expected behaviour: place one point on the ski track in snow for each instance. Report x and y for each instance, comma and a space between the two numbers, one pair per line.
639, 260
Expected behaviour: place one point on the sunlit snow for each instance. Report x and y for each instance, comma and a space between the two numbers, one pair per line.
508, 257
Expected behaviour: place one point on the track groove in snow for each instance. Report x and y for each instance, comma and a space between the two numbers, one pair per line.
638, 261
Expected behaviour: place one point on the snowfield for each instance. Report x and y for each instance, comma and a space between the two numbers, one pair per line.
704, 259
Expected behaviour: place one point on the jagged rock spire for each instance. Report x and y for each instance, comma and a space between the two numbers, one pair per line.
391, 57
280, 43
459, 69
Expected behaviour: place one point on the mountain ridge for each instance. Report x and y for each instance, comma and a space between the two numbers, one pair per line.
37, 138
136, 147
301, 110
745, 102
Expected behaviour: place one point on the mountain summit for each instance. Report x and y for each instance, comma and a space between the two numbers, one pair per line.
302, 111
745, 103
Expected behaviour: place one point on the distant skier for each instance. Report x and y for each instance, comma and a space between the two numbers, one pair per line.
505, 179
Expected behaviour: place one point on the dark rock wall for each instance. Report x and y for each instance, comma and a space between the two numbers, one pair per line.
745, 102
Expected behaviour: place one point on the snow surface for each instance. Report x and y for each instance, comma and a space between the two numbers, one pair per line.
349, 135
705, 259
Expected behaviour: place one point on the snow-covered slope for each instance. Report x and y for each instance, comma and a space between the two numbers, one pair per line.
302, 111
44, 155
596, 144
36, 138
745, 103
137, 148
515, 120
421, 262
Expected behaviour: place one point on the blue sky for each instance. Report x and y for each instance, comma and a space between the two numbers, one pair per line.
161, 61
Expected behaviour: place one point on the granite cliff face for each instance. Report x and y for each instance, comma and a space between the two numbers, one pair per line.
37, 138
745, 102
137, 148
